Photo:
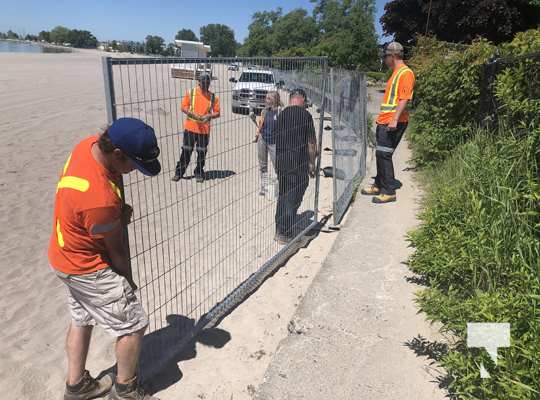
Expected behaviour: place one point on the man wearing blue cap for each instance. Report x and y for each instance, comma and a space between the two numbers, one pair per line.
88, 252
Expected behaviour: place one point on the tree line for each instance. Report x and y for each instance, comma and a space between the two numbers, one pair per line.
457, 21
342, 30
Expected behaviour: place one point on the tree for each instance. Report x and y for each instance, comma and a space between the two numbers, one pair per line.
60, 35
154, 45
11, 35
259, 40
82, 39
186, 34
170, 50
44, 35
294, 34
343, 30
459, 21
220, 38
348, 34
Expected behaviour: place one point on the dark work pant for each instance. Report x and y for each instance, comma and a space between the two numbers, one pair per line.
387, 142
292, 187
192, 141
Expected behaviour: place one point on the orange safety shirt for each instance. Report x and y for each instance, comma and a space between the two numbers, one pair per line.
201, 104
88, 203
400, 86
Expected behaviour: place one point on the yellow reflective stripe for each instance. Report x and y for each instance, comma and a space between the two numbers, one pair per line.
392, 99
192, 104
392, 103
66, 165
59, 234
73, 182
116, 189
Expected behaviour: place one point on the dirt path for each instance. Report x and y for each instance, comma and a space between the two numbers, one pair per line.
353, 336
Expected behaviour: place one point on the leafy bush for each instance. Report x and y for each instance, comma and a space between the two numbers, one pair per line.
377, 76
449, 89
479, 248
517, 88
448, 93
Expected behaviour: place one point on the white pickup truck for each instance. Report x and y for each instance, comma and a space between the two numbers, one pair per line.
249, 91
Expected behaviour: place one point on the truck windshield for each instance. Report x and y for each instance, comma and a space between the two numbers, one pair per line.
256, 77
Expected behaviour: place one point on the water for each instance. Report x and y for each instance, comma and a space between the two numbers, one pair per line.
11, 46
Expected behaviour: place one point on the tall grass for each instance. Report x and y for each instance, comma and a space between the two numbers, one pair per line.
479, 248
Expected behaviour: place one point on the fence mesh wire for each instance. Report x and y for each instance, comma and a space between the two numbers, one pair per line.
349, 140
195, 246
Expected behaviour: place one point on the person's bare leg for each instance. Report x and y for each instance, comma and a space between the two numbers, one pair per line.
77, 344
128, 349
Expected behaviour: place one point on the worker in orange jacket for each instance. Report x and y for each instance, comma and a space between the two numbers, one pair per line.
391, 124
201, 106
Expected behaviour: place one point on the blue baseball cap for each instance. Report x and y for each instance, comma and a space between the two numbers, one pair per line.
138, 141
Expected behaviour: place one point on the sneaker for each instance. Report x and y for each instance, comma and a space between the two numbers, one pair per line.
176, 178
88, 388
129, 391
199, 178
282, 239
370, 190
384, 198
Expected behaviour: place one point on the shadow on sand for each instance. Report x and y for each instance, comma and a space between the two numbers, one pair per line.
163, 349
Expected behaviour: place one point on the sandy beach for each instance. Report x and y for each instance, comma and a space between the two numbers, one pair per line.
48, 102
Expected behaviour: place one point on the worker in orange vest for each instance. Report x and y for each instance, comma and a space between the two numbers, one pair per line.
88, 253
200, 106
391, 124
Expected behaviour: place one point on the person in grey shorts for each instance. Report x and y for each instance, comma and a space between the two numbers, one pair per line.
266, 142
87, 251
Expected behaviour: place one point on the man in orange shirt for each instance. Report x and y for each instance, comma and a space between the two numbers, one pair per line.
88, 252
200, 106
391, 124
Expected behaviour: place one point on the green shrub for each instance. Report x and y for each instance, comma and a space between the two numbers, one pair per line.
479, 248
448, 95
449, 89
377, 76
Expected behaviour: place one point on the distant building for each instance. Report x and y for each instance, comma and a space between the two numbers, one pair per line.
189, 49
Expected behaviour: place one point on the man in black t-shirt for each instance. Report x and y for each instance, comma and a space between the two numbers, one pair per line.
296, 152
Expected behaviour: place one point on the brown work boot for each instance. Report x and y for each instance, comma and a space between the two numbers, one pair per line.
384, 198
88, 388
129, 391
370, 190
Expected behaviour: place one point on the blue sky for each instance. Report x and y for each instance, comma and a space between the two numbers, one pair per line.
134, 19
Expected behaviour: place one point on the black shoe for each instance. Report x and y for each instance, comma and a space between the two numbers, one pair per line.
283, 239
129, 391
88, 388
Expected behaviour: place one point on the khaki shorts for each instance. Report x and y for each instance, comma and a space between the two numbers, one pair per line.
106, 299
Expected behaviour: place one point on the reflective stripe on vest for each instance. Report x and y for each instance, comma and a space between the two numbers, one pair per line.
392, 101
192, 95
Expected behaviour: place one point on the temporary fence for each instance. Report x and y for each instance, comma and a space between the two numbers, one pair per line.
198, 248
349, 136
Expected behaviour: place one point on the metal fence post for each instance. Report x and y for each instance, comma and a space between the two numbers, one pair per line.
334, 125
109, 89
110, 105
319, 144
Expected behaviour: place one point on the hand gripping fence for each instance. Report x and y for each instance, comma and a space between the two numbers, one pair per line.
200, 246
